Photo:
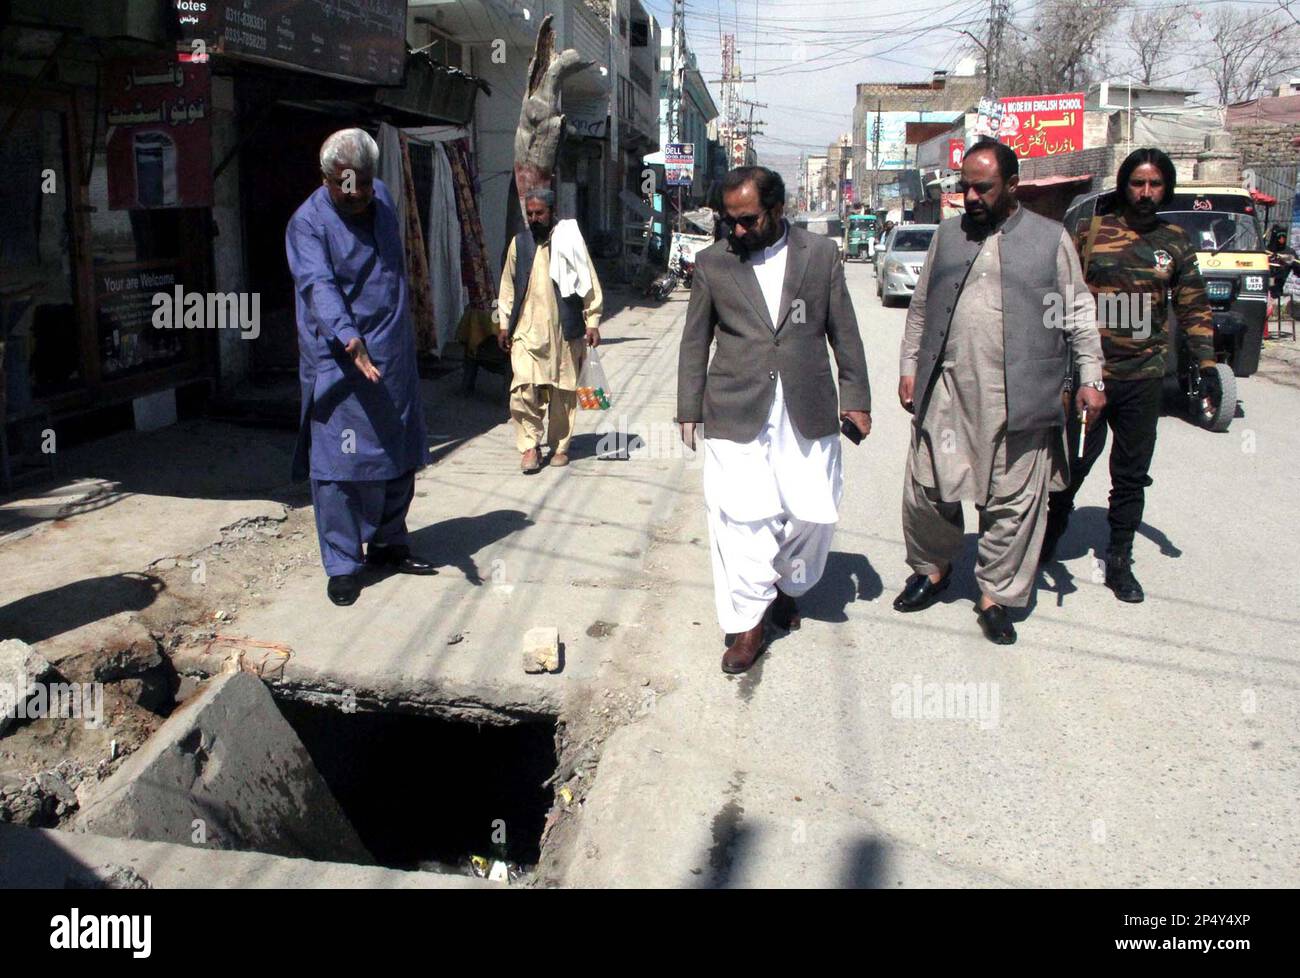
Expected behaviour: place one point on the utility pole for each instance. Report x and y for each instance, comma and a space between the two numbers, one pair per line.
875, 158
678, 70
1000, 11
750, 130
731, 80
676, 107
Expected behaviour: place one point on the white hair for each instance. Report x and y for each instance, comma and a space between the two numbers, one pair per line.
350, 148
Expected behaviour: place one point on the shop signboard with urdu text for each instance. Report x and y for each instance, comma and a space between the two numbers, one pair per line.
1036, 125
159, 141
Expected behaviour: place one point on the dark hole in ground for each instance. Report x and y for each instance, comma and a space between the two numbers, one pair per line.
422, 790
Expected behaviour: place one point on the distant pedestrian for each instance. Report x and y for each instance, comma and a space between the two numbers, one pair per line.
982, 371
771, 297
362, 434
550, 303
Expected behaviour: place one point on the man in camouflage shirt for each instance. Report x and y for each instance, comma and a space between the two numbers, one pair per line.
1134, 262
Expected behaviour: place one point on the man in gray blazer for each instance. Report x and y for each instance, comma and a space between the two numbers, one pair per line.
985, 358
772, 297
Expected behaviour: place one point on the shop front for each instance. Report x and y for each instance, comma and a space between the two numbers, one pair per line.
106, 203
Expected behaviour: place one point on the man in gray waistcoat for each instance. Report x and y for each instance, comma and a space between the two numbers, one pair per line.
985, 356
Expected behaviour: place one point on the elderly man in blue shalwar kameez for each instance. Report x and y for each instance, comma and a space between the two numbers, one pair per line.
362, 437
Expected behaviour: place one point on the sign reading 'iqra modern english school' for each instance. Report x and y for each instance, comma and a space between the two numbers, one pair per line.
357, 40
1038, 125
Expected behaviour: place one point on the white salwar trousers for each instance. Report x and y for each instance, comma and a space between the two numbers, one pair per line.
772, 507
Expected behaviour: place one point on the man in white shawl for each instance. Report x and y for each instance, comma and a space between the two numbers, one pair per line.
550, 304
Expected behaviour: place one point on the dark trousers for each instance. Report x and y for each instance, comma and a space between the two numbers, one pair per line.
352, 514
1132, 412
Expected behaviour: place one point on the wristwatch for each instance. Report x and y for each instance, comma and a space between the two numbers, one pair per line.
1097, 385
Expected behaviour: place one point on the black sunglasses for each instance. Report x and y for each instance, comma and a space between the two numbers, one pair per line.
748, 222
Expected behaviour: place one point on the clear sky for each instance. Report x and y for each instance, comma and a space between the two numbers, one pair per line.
807, 55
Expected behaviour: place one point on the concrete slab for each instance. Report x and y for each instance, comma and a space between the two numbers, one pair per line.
225, 771
49, 859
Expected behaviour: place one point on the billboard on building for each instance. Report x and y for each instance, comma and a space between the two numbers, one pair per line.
1037, 125
892, 140
679, 164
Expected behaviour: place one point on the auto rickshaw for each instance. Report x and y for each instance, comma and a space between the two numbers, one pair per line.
1222, 224
860, 237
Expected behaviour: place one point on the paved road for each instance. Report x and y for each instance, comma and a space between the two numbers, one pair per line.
1114, 745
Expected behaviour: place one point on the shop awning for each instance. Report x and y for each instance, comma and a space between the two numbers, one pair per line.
1043, 185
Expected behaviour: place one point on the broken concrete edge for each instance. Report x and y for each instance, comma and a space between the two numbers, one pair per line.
52, 859
113, 648
514, 704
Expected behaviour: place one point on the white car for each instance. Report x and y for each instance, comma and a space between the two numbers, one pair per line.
902, 262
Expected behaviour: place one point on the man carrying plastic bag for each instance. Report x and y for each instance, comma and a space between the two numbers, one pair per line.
552, 298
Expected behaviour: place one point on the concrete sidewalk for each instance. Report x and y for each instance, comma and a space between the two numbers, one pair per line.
193, 540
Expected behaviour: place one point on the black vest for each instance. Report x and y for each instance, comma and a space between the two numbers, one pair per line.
572, 322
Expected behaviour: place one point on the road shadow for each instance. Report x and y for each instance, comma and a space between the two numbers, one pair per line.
606, 446
41, 616
1089, 531
453, 543
867, 866
847, 578
611, 340
34, 860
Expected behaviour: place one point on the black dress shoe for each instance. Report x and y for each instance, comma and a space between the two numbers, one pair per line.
398, 560
343, 589
1120, 579
921, 592
997, 626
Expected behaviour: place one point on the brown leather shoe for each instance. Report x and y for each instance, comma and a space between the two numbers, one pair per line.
744, 650
531, 462
560, 458
785, 612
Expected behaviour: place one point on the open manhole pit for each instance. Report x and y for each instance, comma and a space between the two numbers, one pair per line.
428, 793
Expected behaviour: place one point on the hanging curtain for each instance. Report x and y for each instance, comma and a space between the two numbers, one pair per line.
476, 273
419, 286
444, 250
390, 170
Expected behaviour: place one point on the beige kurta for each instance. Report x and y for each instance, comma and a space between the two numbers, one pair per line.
961, 447
540, 354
